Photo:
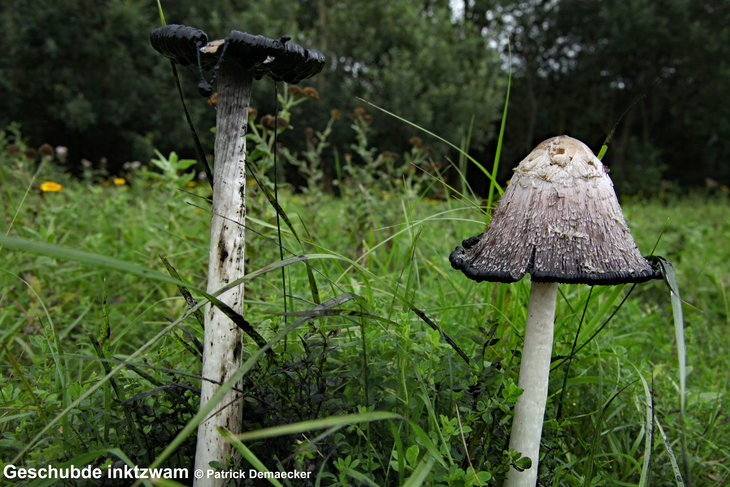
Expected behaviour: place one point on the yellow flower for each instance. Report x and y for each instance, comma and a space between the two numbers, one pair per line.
51, 187
119, 181
191, 184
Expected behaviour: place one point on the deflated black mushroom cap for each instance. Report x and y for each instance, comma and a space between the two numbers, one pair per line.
278, 58
560, 221
179, 43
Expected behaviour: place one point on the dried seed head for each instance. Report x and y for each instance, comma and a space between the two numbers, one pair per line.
46, 150
558, 220
311, 93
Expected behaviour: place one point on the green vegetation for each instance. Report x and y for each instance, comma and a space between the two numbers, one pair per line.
100, 351
82, 74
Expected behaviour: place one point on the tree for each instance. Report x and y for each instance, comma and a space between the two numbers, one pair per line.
580, 65
82, 74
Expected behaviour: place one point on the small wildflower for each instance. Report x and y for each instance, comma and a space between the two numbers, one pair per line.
335, 113
359, 111
191, 184
61, 151
119, 181
415, 141
252, 112
311, 93
86, 163
46, 150
31, 153
51, 187
213, 99
295, 90
367, 118
390, 155
198, 211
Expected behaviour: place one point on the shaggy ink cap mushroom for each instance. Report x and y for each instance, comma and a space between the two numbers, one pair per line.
278, 58
179, 43
560, 221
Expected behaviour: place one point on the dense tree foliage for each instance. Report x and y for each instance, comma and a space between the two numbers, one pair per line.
581, 65
82, 74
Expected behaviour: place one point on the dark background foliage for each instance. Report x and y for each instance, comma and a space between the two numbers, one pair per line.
82, 74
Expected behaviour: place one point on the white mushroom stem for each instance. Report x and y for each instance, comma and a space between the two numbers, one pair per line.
222, 345
534, 375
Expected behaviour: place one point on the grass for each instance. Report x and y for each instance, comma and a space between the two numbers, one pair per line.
363, 388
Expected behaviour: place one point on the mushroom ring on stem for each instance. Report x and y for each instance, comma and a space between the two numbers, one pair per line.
559, 220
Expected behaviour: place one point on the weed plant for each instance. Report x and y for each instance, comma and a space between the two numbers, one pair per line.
386, 367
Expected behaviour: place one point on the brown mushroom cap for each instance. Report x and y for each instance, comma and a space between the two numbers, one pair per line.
560, 221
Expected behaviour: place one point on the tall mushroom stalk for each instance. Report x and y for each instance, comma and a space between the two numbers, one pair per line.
560, 221
236, 61
223, 340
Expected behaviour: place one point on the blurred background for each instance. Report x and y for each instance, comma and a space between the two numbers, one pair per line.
81, 74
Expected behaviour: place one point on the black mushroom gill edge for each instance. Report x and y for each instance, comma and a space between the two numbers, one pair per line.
459, 262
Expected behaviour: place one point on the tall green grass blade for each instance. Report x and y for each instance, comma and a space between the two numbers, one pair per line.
498, 152
104, 339
439, 138
420, 473
248, 455
189, 299
273, 200
317, 424
672, 458
162, 15
86, 258
398, 444
649, 432
670, 277
22, 200
426, 442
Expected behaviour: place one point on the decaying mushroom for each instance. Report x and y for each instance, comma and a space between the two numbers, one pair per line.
237, 60
560, 221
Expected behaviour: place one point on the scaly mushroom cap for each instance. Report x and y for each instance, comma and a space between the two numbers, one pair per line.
560, 221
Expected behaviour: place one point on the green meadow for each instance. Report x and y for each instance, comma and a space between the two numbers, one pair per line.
386, 366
